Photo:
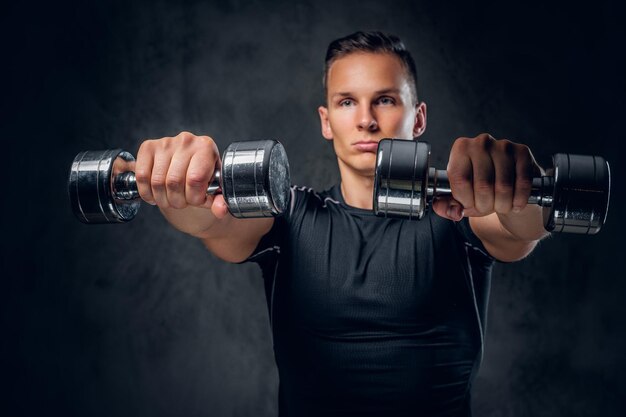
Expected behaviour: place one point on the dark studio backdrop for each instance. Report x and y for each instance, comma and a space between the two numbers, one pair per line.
140, 320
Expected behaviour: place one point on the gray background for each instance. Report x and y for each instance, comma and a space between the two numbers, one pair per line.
140, 320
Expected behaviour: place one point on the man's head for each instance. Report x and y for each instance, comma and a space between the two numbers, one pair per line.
371, 94
375, 43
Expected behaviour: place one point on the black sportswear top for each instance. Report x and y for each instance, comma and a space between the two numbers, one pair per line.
373, 316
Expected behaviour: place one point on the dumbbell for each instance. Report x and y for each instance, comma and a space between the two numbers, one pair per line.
254, 179
574, 193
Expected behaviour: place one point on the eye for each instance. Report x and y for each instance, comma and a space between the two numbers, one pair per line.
346, 102
386, 101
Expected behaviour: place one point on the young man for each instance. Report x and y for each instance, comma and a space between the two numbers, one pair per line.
370, 316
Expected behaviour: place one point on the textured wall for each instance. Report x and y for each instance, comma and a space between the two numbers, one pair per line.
140, 320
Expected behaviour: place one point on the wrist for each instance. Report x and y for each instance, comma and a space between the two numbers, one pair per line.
525, 225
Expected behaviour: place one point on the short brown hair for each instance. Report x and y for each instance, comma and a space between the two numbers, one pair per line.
372, 42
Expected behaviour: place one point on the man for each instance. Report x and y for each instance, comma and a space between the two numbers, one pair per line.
370, 316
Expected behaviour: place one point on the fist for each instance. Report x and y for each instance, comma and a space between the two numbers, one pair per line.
487, 176
174, 172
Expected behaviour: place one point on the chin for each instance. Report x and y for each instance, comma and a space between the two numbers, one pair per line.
366, 168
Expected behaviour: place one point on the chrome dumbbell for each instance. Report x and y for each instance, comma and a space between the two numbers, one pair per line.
254, 179
574, 193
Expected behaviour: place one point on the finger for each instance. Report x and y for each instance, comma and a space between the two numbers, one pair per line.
524, 167
504, 165
483, 180
143, 171
176, 179
159, 177
448, 208
199, 173
460, 176
219, 207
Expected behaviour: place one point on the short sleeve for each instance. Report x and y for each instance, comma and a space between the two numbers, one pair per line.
470, 239
270, 244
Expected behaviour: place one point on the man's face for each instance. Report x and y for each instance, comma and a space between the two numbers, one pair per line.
369, 98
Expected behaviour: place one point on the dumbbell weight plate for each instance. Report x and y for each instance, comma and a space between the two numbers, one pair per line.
582, 186
401, 179
90, 187
255, 178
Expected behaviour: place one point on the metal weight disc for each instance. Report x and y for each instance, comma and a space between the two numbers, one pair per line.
401, 178
255, 178
581, 194
90, 187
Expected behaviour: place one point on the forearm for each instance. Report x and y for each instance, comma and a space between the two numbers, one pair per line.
228, 238
511, 237
194, 221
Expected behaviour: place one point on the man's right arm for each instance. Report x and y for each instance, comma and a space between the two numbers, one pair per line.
174, 173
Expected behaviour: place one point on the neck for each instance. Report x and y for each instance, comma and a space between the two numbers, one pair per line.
357, 188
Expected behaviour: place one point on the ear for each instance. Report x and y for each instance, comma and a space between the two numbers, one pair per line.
325, 123
420, 120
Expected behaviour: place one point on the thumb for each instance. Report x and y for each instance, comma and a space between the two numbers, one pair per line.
219, 207
448, 208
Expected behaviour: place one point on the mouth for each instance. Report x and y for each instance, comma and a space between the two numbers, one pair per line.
366, 146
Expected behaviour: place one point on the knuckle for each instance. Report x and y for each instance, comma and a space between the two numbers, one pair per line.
485, 141
524, 184
207, 139
142, 176
186, 138
158, 181
173, 182
195, 180
458, 172
523, 148
460, 144
148, 143
483, 186
506, 146
458, 182
206, 143
503, 188
162, 144
523, 151
458, 177
144, 146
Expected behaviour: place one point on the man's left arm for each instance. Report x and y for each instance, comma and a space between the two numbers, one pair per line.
491, 182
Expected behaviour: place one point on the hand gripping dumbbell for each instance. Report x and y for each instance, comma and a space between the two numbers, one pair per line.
574, 193
254, 179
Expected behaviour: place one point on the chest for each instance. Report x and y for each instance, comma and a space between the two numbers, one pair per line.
349, 274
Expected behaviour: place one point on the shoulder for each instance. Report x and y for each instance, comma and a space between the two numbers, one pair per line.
305, 198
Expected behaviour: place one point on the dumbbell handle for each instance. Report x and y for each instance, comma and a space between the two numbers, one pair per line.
540, 193
125, 185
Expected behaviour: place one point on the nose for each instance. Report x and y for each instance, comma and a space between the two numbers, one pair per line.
367, 120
